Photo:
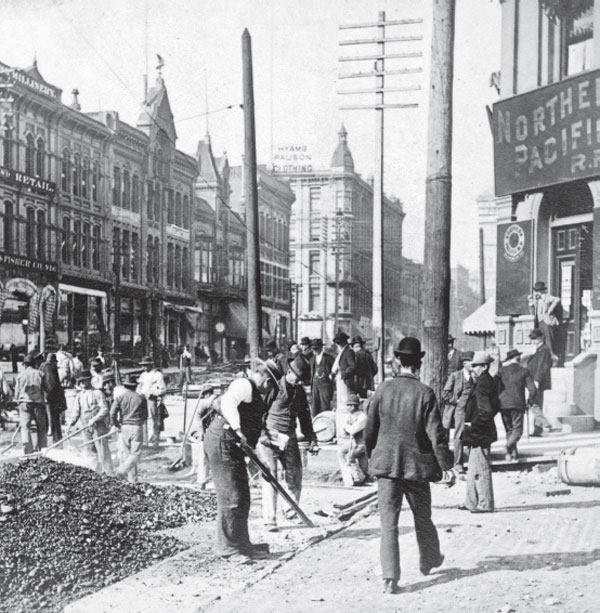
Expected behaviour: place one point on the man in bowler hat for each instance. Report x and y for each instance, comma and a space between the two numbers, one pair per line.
408, 448
548, 313
321, 365
344, 369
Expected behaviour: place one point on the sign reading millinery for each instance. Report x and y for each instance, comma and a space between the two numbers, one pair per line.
292, 158
23, 180
17, 76
23, 262
548, 136
513, 267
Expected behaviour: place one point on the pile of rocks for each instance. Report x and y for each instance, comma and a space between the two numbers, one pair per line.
66, 531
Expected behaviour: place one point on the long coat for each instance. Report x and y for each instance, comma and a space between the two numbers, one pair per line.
513, 380
347, 366
404, 436
365, 370
455, 393
540, 365
482, 406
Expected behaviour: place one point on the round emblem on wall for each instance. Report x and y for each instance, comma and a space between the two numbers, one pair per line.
220, 327
514, 242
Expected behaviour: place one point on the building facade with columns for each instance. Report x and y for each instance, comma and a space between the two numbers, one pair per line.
547, 186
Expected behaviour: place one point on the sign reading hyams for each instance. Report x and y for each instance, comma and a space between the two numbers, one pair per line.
23, 262
19, 178
292, 159
17, 76
548, 136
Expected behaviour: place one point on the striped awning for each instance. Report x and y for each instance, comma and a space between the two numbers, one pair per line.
481, 321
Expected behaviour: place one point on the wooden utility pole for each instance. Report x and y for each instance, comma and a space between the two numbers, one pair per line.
251, 190
436, 290
379, 104
481, 268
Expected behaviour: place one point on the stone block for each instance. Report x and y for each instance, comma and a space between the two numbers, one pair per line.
578, 423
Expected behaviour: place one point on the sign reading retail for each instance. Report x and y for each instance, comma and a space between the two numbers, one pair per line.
513, 267
548, 136
293, 159
18, 76
23, 180
23, 262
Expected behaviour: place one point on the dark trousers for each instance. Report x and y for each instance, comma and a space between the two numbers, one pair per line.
459, 428
33, 412
55, 428
233, 491
418, 494
322, 395
537, 410
513, 424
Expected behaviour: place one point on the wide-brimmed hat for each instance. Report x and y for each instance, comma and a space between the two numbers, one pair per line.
539, 286
271, 345
305, 340
353, 399
513, 353
84, 375
481, 357
316, 343
536, 333
130, 381
299, 366
409, 345
108, 376
274, 369
146, 360
341, 337
467, 356
357, 340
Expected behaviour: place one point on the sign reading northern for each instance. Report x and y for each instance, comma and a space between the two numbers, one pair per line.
548, 136
34, 183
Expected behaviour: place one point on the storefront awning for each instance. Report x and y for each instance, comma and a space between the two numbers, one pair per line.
86, 291
181, 308
481, 321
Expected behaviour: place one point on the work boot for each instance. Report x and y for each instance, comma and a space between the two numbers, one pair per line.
390, 586
426, 569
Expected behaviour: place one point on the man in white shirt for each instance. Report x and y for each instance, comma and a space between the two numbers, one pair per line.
238, 417
185, 367
151, 384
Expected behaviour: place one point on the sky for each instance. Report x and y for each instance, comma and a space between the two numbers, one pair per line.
104, 48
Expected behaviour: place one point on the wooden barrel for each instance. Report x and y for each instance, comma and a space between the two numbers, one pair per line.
580, 465
324, 426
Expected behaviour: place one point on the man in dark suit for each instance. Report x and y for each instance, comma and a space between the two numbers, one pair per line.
455, 394
366, 369
540, 367
408, 448
454, 362
321, 364
513, 380
479, 435
344, 368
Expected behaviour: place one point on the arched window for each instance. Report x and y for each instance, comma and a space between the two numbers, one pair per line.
178, 213
135, 194
7, 227
96, 248
160, 164
76, 175
178, 271
40, 158
186, 212
65, 170
30, 155
158, 195
150, 201
85, 178
126, 190
185, 271
65, 248
156, 261
170, 207
150, 260
41, 236
117, 186
76, 243
30, 233
170, 265
135, 248
116, 250
7, 147
96, 182
85, 246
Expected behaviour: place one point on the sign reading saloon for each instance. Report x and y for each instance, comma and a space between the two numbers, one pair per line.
548, 136
19, 178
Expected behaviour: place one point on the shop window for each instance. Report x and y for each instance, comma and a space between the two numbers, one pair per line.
135, 194
126, 190
117, 186
77, 243
96, 182
314, 298
65, 170
41, 236
40, 158
30, 155
85, 178
65, 247
7, 147
76, 175
178, 211
95, 248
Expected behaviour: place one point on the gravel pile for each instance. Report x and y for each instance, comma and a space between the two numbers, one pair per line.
66, 531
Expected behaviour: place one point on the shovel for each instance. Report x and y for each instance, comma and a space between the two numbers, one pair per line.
12, 440
95, 440
179, 463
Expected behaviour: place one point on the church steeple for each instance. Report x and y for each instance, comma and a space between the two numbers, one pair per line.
342, 157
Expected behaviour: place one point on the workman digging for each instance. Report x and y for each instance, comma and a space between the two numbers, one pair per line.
279, 442
91, 410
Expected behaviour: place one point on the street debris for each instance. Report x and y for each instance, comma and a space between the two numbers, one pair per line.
67, 531
559, 492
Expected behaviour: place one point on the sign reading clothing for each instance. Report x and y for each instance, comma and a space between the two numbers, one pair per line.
513, 267
548, 136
